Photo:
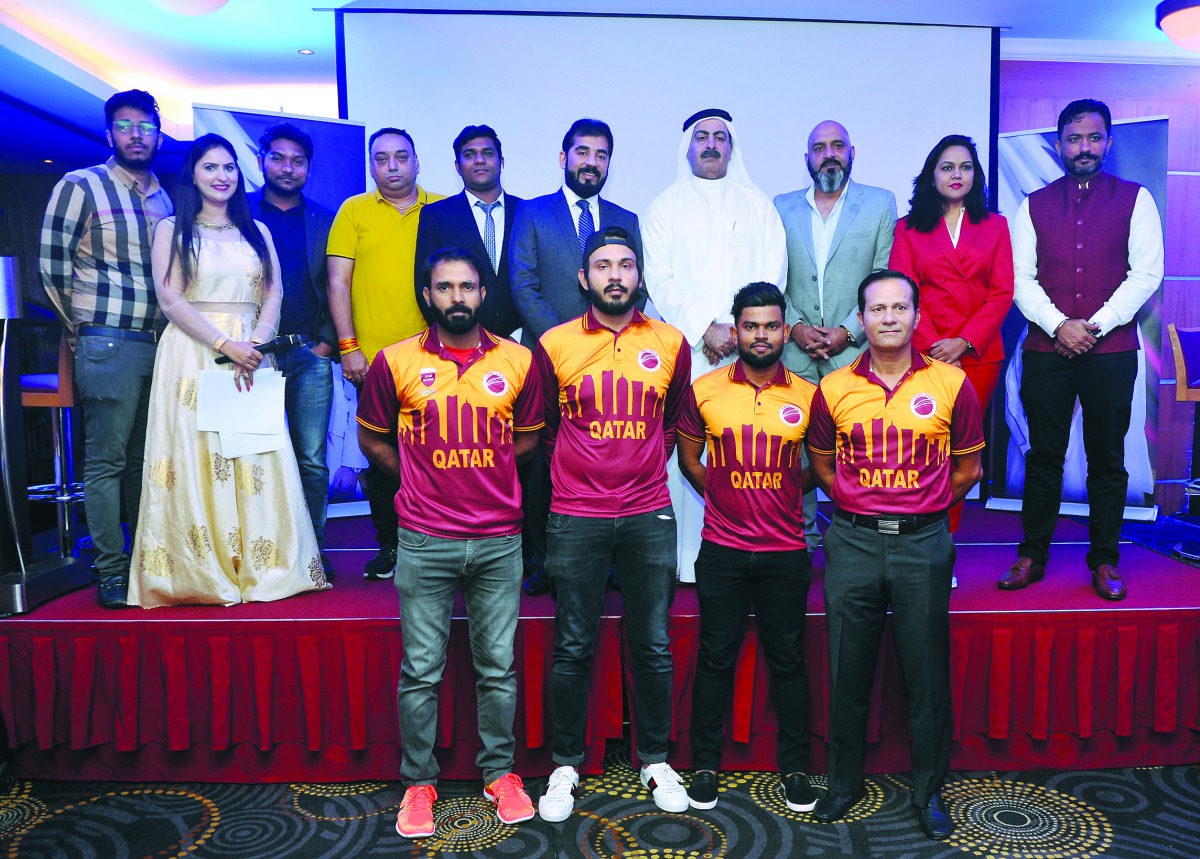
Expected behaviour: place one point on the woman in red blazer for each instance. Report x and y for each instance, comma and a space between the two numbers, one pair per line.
960, 255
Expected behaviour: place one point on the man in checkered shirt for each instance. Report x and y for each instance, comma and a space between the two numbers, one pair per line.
95, 266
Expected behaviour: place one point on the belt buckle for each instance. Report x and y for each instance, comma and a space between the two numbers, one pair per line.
887, 526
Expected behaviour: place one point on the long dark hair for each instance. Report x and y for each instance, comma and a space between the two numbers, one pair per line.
187, 207
927, 207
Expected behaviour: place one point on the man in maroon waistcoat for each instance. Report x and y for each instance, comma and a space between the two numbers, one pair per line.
1088, 252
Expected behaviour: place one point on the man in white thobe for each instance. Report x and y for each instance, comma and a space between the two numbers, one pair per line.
704, 238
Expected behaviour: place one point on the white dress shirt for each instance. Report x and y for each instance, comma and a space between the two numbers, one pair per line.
823, 230
1145, 270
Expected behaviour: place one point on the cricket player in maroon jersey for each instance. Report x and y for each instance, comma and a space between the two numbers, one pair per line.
464, 407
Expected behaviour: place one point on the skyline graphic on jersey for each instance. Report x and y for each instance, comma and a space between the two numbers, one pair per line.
616, 398
463, 425
892, 446
766, 451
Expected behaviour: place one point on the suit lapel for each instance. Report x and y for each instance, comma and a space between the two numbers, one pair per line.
854, 198
562, 215
467, 226
806, 231
966, 237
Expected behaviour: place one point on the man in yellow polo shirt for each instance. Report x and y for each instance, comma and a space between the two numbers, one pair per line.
372, 245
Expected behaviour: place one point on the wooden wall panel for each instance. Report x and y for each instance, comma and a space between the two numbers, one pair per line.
1031, 96
1183, 225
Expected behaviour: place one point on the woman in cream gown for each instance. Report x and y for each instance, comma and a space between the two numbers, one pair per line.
211, 529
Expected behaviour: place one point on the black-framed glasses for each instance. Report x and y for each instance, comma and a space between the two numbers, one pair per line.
124, 126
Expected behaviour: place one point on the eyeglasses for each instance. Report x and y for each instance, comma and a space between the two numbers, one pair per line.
125, 126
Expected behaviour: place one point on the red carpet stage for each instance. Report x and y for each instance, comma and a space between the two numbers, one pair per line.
304, 689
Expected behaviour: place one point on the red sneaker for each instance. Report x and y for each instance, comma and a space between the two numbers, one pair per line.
415, 819
512, 802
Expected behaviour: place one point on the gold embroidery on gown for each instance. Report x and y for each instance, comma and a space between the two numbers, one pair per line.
162, 473
187, 393
221, 467
187, 491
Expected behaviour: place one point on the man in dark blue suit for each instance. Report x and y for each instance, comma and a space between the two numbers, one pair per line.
547, 243
480, 219
549, 232
300, 228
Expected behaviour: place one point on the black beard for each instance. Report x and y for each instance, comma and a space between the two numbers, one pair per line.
463, 321
1097, 163
571, 180
613, 307
760, 362
143, 164
282, 192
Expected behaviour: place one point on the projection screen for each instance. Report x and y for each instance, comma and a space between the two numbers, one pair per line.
897, 88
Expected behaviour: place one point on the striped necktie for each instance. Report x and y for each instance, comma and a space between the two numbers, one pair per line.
586, 225
489, 230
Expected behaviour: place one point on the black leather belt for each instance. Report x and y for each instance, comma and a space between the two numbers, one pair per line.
890, 523
306, 336
111, 331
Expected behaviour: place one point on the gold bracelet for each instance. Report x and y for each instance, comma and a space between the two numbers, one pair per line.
219, 342
354, 348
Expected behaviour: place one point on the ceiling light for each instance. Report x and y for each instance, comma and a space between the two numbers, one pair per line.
190, 7
305, 52
1180, 20
47, 160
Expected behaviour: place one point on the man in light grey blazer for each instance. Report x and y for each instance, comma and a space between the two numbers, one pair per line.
838, 232
549, 232
545, 254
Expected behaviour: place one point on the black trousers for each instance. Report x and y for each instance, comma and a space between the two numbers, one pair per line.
381, 491
1050, 384
866, 572
730, 583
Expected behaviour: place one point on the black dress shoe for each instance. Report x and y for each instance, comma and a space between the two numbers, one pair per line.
934, 819
537, 584
835, 806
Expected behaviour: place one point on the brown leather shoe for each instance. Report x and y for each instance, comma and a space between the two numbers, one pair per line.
1022, 574
1107, 583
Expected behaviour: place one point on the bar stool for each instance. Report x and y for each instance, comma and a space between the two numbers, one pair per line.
1185, 348
56, 391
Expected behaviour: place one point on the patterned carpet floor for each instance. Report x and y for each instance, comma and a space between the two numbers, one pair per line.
1145, 813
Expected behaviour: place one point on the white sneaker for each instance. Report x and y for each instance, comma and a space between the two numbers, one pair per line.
665, 786
556, 803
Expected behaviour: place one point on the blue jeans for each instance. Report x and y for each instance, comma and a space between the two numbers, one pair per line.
579, 552
429, 571
307, 398
113, 376
731, 582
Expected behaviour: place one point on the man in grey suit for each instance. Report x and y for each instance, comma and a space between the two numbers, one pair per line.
838, 232
549, 232
548, 236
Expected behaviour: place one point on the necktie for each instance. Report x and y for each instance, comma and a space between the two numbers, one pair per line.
489, 229
586, 225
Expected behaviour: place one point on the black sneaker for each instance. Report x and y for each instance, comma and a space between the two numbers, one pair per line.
327, 567
798, 793
703, 792
382, 566
539, 583
112, 592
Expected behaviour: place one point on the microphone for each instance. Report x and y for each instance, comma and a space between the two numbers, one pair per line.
283, 341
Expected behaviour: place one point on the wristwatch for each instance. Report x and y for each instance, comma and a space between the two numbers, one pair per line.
849, 337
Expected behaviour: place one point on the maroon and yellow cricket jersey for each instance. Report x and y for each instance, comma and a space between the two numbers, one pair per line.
893, 447
611, 403
752, 486
454, 425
